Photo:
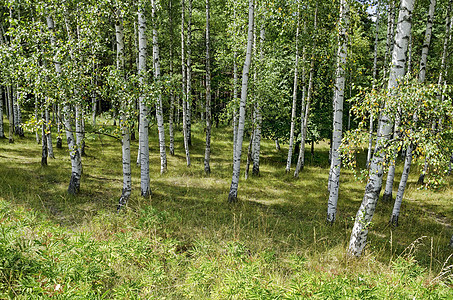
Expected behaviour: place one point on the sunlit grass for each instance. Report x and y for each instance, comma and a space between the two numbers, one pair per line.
186, 241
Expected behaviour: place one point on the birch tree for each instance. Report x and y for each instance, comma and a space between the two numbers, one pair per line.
334, 178
184, 90
143, 128
232, 196
172, 93
365, 213
2, 134
293, 110
207, 153
76, 160
159, 110
125, 131
189, 75
421, 79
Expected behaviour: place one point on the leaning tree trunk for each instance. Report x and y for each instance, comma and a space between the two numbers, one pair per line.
376, 40
293, 110
232, 196
334, 178
421, 79
76, 161
159, 109
207, 153
365, 213
189, 76
125, 130
184, 89
143, 136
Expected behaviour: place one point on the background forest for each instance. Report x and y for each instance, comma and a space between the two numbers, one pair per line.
226, 149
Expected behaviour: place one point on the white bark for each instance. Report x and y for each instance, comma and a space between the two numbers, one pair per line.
390, 31
421, 79
2, 134
38, 140
184, 90
44, 141
232, 196
258, 118
235, 92
48, 133
376, 40
300, 158
427, 41
143, 129
10, 114
172, 94
159, 110
293, 110
125, 130
207, 153
189, 76
76, 160
334, 178
365, 213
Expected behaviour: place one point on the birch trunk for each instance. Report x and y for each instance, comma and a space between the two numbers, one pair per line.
125, 130
235, 92
172, 94
334, 178
421, 79
2, 134
376, 40
159, 110
390, 31
44, 141
59, 140
365, 213
300, 158
232, 196
189, 76
10, 114
293, 110
256, 147
17, 114
143, 128
207, 153
48, 134
184, 88
38, 140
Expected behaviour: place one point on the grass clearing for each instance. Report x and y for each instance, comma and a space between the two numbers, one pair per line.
186, 241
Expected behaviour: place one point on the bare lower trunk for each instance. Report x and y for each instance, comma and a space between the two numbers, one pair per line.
334, 178
256, 146
44, 142
366, 211
38, 140
232, 196
59, 140
49, 134
10, 114
172, 93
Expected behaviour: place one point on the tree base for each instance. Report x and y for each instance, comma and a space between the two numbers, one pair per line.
421, 179
387, 197
74, 185
123, 201
394, 220
232, 198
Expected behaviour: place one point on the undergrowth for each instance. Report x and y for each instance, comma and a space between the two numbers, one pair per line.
186, 241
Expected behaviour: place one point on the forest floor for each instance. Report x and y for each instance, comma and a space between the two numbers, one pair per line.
186, 241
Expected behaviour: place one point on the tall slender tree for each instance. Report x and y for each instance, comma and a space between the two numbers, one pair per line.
232, 196
366, 211
159, 109
334, 178
143, 128
207, 153
184, 89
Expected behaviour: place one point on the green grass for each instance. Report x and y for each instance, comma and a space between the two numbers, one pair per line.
186, 241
